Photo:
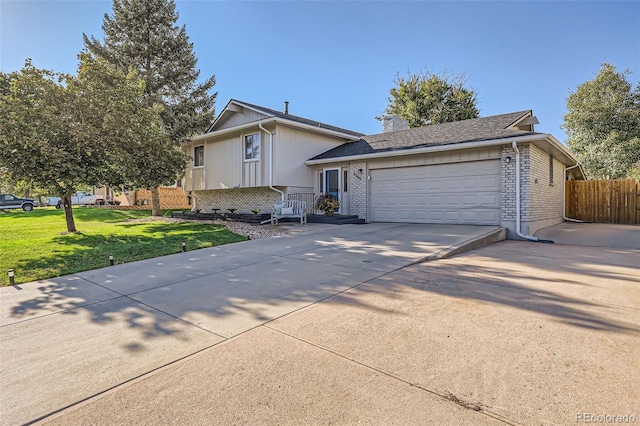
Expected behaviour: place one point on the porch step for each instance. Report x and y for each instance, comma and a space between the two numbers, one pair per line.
335, 220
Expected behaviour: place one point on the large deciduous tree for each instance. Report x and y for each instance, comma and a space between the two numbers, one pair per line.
426, 98
603, 125
143, 35
60, 132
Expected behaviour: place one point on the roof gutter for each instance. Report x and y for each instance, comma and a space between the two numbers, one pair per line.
439, 148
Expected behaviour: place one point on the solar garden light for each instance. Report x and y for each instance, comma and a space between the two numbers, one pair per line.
184, 246
110, 260
12, 280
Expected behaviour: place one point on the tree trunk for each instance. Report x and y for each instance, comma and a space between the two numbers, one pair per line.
68, 213
155, 202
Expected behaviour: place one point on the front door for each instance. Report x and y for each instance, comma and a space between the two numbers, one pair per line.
332, 184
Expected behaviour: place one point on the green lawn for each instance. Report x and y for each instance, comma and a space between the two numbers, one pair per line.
35, 246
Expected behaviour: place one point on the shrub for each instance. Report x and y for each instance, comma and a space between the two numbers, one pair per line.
327, 203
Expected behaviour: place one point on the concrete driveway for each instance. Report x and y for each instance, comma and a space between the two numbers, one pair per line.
593, 234
65, 340
512, 333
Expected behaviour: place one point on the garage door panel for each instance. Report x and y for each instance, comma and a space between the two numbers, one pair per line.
465, 193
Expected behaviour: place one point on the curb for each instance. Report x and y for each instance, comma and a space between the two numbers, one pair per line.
486, 239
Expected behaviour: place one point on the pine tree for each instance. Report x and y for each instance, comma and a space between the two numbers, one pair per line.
144, 35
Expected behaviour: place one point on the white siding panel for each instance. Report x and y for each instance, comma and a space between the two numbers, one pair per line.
237, 119
463, 193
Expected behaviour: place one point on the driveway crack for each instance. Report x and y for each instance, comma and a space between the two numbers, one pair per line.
448, 396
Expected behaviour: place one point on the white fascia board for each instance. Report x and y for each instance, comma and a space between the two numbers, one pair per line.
229, 108
278, 121
431, 149
319, 129
231, 129
562, 148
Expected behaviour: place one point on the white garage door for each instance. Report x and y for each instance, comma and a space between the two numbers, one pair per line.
458, 193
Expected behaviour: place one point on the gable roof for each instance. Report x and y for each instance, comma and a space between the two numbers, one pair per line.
281, 116
458, 132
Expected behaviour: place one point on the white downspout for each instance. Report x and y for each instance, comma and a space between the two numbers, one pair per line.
564, 207
520, 234
271, 162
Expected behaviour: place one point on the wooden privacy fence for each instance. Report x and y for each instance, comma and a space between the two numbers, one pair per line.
603, 201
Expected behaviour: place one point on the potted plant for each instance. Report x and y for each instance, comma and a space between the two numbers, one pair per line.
327, 203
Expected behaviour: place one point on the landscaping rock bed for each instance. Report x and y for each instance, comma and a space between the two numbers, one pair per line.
254, 232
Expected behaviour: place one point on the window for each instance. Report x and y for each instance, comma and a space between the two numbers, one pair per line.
321, 181
344, 181
550, 169
198, 156
252, 147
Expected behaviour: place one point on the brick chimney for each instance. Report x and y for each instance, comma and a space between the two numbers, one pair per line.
392, 123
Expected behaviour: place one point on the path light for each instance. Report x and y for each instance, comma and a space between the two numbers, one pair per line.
184, 246
110, 260
12, 280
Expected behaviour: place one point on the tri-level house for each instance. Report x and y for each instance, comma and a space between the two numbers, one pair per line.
485, 171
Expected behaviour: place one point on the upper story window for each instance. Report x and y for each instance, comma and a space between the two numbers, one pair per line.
198, 156
252, 147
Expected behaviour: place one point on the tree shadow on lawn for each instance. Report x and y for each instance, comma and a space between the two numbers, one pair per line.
82, 252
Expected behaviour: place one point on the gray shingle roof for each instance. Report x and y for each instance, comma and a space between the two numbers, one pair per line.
295, 118
458, 132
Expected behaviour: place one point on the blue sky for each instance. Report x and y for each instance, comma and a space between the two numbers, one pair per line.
336, 61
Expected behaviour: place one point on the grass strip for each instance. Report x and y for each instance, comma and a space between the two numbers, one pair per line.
36, 246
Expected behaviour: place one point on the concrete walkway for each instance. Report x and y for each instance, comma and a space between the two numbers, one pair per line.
65, 340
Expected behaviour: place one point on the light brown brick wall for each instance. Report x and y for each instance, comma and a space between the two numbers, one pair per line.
358, 189
540, 202
546, 197
242, 199
508, 191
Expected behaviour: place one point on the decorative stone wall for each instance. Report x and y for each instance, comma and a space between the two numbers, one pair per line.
358, 189
242, 199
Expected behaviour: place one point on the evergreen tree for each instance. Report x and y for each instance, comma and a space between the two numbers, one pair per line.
143, 35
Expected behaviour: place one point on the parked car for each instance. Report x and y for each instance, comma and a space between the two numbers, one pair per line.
81, 198
10, 201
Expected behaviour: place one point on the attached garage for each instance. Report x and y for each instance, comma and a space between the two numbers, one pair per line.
453, 193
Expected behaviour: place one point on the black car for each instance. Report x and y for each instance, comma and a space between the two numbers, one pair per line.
10, 201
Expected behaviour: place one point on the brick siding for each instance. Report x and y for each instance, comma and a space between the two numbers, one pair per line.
508, 184
540, 201
546, 197
358, 189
